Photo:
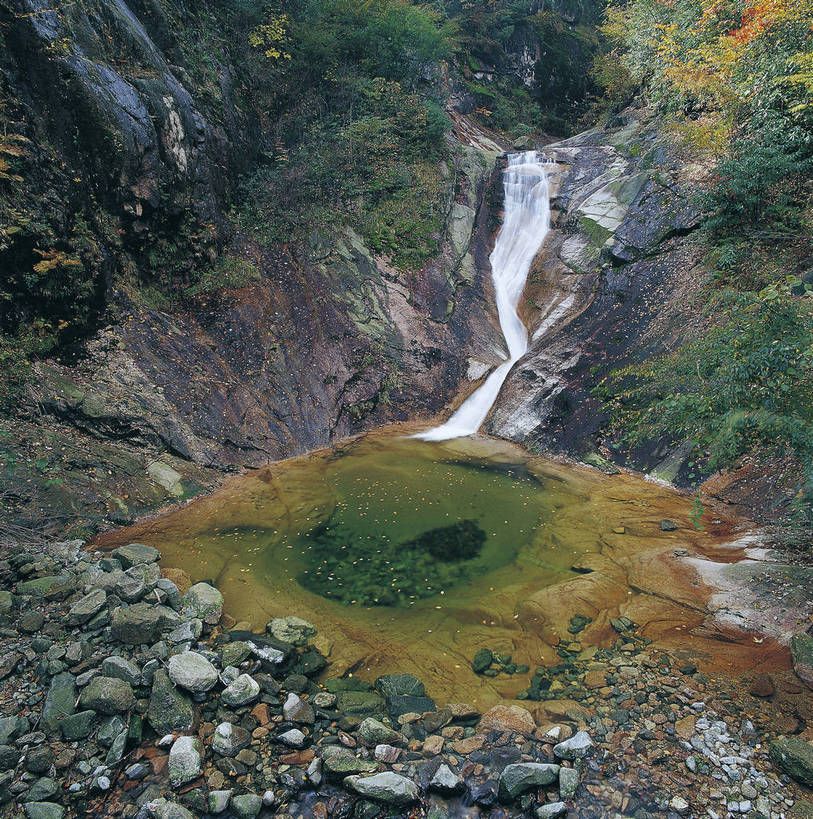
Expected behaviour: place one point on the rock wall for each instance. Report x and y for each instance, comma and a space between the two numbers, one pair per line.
328, 342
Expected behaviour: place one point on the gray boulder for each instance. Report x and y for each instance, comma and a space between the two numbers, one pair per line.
184, 763
293, 630
795, 757
135, 553
551, 811
121, 669
577, 747
568, 782
243, 690
339, 762
107, 695
521, 777
229, 740
60, 702
192, 671
44, 810
86, 607
204, 602
246, 805
295, 709
169, 709
164, 809
388, 787
372, 733
219, 801
142, 623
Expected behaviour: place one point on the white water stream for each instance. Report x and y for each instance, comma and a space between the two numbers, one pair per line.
525, 224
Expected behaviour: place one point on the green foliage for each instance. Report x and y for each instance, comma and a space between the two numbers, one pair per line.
357, 137
747, 384
229, 272
762, 188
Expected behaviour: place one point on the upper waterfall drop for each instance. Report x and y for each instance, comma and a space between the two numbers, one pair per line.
525, 225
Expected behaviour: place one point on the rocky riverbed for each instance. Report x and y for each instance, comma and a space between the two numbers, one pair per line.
128, 692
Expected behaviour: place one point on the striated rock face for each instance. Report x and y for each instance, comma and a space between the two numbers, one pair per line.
327, 343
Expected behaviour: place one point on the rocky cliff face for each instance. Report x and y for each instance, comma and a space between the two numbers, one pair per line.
328, 342
129, 148
137, 125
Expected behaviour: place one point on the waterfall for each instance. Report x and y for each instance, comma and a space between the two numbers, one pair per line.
525, 225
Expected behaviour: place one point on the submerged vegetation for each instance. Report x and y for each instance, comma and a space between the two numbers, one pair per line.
354, 568
732, 81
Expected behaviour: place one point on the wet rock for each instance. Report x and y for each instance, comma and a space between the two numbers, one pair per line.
86, 607
324, 699
229, 740
551, 810
360, 703
446, 781
511, 718
372, 732
204, 602
60, 702
107, 695
246, 805
184, 761
44, 810
393, 685
482, 660
295, 709
169, 709
192, 671
293, 738
235, 652
520, 777
142, 623
388, 787
577, 747
762, 686
243, 690
218, 801
134, 554
801, 647
293, 630
668, 526
387, 753
795, 757
121, 669
399, 704
339, 762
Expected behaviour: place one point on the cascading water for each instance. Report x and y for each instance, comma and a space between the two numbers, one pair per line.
525, 225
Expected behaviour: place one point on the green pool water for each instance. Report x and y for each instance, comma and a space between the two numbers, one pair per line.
410, 556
